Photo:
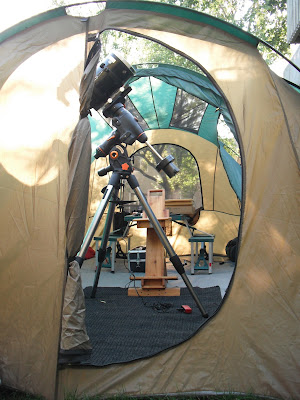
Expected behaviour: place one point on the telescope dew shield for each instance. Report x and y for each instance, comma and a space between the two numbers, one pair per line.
111, 75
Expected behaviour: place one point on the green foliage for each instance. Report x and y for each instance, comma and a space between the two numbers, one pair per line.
182, 185
231, 146
266, 19
59, 3
146, 51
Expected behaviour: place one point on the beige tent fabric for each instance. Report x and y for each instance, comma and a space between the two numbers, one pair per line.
79, 168
252, 344
73, 317
38, 111
217, 193
87, 82
18, 49
79, 156
74, 333
288, 99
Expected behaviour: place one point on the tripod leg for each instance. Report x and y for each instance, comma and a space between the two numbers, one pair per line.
164, 240
94, 224
104, 241
113, 182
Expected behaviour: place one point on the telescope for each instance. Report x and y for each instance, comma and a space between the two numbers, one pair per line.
111, 75
109, 94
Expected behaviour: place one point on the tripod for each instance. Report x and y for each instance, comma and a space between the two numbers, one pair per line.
121, 167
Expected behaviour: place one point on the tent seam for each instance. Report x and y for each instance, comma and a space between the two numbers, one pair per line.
152, 96
287, 124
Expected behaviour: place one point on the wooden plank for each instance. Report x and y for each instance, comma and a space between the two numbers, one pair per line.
167, 277
154, 292
155, 255
178, 202
180, 206
145, 223
154, 281
156, 200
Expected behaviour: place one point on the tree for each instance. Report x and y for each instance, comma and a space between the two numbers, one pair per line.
183, 185
266, 19
231, 147
147, 51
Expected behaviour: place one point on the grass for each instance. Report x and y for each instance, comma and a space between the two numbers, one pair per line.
9, 394
210, 397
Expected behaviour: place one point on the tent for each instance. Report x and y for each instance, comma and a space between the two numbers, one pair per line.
252, 343
170, 103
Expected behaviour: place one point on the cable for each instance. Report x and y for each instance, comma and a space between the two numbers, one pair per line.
158, 307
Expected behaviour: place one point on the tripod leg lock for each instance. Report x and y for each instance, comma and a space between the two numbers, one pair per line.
175, 260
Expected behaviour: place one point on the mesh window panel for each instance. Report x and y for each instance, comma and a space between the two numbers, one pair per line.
184, 185
132, 109
188, 112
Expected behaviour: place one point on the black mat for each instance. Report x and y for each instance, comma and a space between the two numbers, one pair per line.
123, 328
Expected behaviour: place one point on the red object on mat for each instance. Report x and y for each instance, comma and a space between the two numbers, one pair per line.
185, 309
90, 253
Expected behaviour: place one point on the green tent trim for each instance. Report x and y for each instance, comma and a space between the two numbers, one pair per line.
30, 22
185, 13
194, 83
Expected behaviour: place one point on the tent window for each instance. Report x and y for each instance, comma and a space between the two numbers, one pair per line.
184, 185
131, 108
188, 112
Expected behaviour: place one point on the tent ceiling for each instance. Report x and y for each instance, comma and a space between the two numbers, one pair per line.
195, 84
173, 97
136, 5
